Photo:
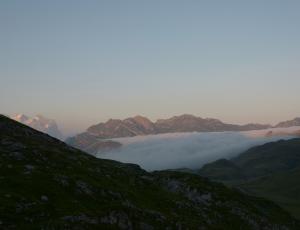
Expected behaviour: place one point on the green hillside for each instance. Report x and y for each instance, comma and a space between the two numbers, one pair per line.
271, 171
283, 188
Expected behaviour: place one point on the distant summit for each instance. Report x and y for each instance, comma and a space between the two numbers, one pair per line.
139, 125
129, 127
93, 140
40, 123
21, 118
190, 123
290, 123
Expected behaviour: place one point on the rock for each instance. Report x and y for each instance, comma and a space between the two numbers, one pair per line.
29, 167
62, 180
117, 218
16, 146
144, 226
84, 187
17, 155
80, 218
44, 198
7, 195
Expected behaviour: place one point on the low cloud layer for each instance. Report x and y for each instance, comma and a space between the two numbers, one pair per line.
186, 150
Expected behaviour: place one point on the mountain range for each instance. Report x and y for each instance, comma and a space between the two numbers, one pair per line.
46, 184
139, 125
96, 136
40, 123
290, 123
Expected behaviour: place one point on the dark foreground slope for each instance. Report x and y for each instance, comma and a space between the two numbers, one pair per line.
271, 170
46, 184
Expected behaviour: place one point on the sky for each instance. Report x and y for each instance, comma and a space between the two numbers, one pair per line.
82, 62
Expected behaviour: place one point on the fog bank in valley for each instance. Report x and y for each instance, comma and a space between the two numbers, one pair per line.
187, 150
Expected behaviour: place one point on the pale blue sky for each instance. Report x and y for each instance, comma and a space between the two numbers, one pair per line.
82, 62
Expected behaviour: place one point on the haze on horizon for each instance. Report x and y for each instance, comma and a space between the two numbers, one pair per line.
190, 150
82, 62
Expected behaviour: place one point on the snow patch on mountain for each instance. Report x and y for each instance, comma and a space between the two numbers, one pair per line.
40, 123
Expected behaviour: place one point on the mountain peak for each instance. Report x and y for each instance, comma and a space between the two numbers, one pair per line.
139, 117
20, 117
142, 120
186, 116
40, 123
40, 117
289, 123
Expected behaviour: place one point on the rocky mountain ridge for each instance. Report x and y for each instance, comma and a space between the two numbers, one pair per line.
138, 125
289, 123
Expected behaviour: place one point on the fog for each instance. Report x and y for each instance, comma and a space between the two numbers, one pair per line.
187, 150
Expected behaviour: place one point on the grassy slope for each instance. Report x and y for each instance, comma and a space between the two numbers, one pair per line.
283, 188
271, 171
47, 184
